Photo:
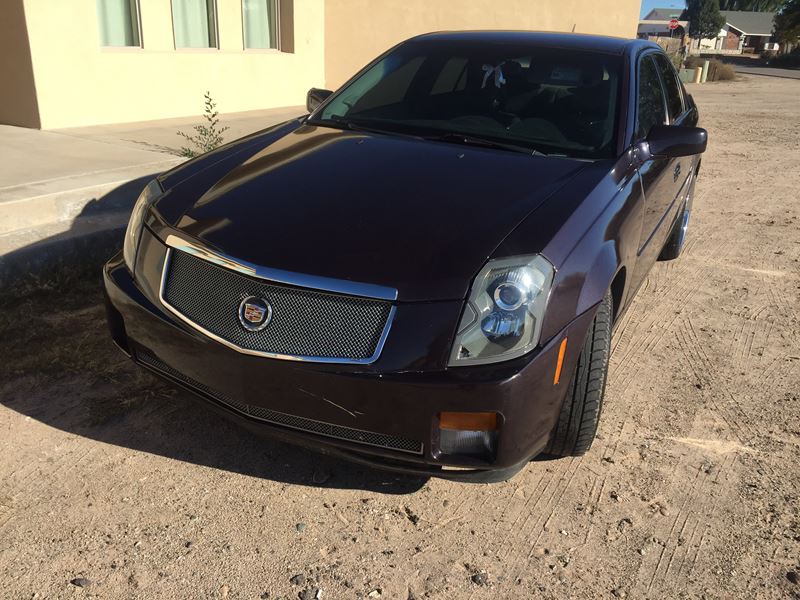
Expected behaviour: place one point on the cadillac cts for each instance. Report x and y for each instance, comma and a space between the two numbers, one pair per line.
424, 272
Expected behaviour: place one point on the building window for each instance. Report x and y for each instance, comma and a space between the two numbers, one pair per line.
119, 22
194, 23
260, 22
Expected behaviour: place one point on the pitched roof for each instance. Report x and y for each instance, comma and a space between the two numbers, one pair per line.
660, 28
750, 23
663, 14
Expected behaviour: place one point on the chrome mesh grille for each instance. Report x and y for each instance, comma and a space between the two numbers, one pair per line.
305, 323
340, 432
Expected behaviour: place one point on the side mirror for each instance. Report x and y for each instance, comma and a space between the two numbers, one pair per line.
315, 97
673, 141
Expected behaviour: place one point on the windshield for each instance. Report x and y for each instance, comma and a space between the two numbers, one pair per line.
543, 99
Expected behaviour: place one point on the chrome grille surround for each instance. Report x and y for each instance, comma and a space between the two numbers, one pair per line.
339, 432
342, 328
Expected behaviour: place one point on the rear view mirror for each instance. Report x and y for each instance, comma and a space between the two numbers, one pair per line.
315, 97
673, 141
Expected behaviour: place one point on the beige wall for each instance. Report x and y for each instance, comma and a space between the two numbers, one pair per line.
356, 31
78, 82
17, 88
54, 72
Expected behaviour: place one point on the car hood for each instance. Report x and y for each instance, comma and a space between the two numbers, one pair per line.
418, 216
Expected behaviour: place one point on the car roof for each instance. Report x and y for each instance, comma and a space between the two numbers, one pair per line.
542, 39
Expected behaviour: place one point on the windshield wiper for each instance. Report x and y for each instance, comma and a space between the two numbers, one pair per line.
471, 140
423, 133
360, 125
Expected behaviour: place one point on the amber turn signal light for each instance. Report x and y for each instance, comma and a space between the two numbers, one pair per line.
561, 351
468, 421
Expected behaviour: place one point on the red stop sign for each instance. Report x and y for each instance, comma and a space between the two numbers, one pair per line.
673, 24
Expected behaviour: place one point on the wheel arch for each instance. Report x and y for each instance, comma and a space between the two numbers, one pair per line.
606, 273
617, 288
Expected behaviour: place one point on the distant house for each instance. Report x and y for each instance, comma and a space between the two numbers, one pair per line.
743, 33
656, 24
747, 32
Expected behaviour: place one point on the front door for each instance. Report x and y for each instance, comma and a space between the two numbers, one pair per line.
659, 102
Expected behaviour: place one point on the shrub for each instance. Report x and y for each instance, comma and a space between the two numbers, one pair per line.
717, 70
787, 61
208, 136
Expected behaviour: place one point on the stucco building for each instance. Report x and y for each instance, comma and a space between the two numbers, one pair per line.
86, 62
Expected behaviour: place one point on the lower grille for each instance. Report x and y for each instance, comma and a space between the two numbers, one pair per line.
340, 432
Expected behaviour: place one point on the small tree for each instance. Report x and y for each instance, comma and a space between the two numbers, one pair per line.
751, 5
705, 20
787, 23
207, 136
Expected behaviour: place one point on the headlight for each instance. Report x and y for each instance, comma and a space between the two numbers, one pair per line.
150, 193
503, 316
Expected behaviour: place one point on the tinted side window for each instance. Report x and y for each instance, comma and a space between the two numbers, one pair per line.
674, 97
651, 99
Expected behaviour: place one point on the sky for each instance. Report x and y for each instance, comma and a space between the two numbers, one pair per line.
648, 5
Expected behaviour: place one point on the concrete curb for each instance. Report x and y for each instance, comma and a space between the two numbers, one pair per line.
62, 230
61, 223
87, 241
41, 203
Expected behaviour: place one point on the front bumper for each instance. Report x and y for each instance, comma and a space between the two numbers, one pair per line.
320, 406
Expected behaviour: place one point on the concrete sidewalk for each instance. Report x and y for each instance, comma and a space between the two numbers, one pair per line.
162, 136
56, 186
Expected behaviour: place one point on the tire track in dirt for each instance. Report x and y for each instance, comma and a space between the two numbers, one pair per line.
709, 515
514, 509
522, 553
711, 371
533, 518
704, 370
695, 508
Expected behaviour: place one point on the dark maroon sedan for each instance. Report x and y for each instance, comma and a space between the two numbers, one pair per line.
424, 273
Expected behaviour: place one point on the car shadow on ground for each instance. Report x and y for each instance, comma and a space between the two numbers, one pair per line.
60, 367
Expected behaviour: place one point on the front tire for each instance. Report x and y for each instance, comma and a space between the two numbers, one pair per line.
580, 413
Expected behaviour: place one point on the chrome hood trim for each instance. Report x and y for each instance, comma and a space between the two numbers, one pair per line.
313, 282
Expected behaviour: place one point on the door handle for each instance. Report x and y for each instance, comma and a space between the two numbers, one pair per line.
677, 172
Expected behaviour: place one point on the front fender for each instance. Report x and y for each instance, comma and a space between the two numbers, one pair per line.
602, 238
599, 277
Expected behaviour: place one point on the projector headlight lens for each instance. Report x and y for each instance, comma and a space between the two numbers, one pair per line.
503, 316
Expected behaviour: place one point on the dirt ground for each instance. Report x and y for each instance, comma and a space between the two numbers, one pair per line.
114, 485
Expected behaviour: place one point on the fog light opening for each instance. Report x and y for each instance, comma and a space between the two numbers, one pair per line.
468, 434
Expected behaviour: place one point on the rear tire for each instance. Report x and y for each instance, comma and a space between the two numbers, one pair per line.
580, 413
677, 237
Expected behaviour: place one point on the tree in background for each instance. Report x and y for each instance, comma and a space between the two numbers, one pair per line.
787, 23
751, 5
705, 20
